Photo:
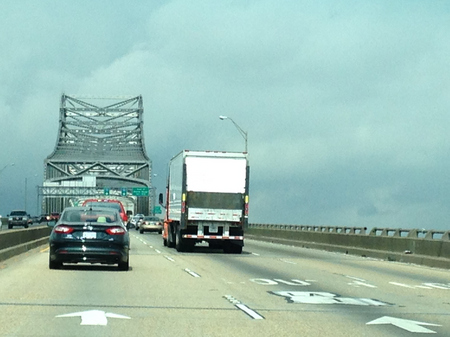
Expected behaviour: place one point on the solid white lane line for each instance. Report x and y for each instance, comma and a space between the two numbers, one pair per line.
253, 314
359, 283
191, 273
400, 284
286, 261
248, 311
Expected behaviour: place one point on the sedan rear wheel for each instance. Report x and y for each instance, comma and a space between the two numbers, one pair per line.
54, 264
124, 266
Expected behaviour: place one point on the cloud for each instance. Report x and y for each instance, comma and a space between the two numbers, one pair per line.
345, 102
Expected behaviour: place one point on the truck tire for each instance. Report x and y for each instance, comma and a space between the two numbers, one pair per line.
170, 238
179, 242
183, 245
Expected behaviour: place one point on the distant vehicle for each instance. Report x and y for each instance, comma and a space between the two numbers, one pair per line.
134, 222
150, 224
116, 204
54, 216
45, 217
18, 218
207, 200
89, 235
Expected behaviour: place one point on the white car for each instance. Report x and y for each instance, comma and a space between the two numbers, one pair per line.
134, 222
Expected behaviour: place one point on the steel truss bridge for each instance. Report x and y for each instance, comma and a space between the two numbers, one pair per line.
99, 153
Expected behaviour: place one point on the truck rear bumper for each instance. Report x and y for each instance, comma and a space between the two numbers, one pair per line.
212, 237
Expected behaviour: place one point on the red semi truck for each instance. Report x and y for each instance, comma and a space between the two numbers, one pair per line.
207, 200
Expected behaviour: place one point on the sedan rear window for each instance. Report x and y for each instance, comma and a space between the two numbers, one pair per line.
99, 216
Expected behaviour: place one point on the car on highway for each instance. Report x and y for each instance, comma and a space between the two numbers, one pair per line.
54, 216
150, 224
89, 235
44, 217
135, 219
18, 218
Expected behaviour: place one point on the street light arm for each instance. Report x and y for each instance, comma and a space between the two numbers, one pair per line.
241, 131
12, 164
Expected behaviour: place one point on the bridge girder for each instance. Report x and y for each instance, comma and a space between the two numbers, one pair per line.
98, 147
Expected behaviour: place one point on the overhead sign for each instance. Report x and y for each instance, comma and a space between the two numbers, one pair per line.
140, 191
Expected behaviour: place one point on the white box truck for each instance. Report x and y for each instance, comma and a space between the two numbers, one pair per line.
207, 200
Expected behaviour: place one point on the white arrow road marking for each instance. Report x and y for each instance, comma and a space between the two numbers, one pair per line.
307, 297
405, 324
94, 317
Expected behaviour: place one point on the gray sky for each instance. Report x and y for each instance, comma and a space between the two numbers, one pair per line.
346, 103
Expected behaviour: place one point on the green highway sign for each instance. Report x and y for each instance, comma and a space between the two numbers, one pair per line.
157, 210
140, 191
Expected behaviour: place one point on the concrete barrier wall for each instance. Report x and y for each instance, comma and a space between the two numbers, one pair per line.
430, 248
17, 241
405, 245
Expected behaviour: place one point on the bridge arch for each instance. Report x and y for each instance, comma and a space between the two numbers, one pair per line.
99, 153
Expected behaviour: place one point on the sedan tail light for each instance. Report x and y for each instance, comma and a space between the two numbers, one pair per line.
116, 231
63, 229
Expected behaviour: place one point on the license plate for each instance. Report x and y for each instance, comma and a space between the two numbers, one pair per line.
213, 228
89, 235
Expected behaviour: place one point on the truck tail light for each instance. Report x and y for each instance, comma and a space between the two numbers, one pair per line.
246, 206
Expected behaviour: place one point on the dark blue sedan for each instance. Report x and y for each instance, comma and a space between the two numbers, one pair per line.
89, 235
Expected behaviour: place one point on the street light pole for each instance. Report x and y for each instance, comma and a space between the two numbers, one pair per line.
26, 191
12, 164
243, 133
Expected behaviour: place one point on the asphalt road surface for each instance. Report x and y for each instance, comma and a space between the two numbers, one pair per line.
268, 290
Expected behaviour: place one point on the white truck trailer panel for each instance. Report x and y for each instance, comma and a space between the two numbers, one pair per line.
217, 172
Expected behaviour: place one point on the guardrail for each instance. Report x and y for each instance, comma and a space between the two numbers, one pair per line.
425, 247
